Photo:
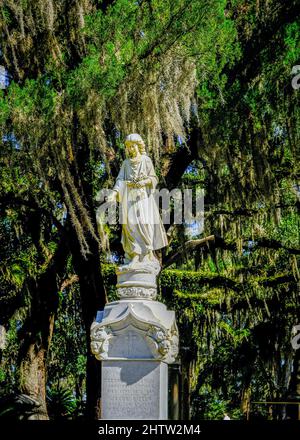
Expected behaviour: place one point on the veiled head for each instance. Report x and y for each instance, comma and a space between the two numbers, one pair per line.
132, 142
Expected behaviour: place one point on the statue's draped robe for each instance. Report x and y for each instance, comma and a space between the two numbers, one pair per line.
142, 228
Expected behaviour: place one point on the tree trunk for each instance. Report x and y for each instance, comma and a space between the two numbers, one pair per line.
297, 375
36, 332
93, 298
294, 394
185, 390
245, 401
33, 380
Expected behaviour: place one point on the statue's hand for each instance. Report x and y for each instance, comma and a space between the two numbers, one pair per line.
112, 197
132, 184
140, 184
144, 182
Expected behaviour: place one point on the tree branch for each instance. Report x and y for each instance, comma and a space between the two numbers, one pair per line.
219, 242
182, 158
189, 245
11, 200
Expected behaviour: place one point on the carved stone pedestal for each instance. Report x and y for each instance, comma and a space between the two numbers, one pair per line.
135, 339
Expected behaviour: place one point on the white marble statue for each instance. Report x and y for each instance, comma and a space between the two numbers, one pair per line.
135, 336
142, 228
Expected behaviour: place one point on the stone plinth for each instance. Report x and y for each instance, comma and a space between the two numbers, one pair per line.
138, 280
135, 389
136, 339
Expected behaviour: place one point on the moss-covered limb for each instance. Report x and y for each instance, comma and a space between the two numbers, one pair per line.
188, 246
278, 280
194, 281
176, 162
249, 212
213, 290
217, 242
191, 281
228, 303
12, 200
270, 244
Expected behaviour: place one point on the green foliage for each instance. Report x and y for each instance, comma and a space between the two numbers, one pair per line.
61, 403
292, 41
9, 371
67, 357
214, 409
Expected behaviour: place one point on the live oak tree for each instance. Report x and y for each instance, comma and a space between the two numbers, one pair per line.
207, 84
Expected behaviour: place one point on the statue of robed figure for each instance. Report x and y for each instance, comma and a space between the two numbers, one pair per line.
142, 227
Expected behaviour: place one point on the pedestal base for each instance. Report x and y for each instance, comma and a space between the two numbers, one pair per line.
135, 339
134, 390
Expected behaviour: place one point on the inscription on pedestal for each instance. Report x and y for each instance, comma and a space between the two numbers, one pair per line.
134, 387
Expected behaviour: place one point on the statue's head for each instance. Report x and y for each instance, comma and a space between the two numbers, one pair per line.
134, 145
